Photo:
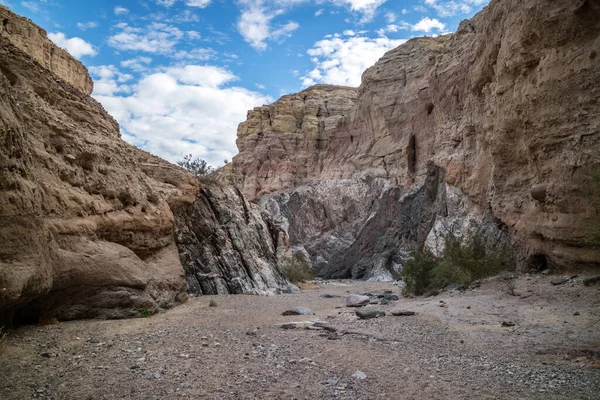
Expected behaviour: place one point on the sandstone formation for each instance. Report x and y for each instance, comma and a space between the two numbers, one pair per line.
32, 40
281, 143
505, 113
90, 225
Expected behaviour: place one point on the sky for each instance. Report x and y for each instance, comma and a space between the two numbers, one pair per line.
180, 75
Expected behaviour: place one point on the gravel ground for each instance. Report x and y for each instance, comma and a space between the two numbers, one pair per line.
455, 347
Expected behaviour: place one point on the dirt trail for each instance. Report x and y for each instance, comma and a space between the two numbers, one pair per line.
454, 348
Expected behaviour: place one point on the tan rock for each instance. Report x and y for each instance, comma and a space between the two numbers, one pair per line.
33, 40
508, 101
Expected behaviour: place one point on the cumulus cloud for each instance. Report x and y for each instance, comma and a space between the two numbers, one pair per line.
120, 10
255, 23
453, 7
189, 3
155, 38
366, 8
341, 61
77, 47
87, 25
179, 110
137, 64
428, 24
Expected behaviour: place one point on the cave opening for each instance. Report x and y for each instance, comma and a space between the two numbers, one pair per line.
538, 262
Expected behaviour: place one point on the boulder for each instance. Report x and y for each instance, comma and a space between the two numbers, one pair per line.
357, 300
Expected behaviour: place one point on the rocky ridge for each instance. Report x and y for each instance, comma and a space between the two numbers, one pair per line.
505, 111
93, 227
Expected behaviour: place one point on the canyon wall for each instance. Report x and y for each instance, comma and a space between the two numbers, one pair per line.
33, 41
92, 227
506, 110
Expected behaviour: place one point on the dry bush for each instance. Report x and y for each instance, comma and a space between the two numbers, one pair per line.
3, 339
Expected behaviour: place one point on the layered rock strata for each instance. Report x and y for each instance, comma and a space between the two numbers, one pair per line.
88, 222
33, 41
507, 107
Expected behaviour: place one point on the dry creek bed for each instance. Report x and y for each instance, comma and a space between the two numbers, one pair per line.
454, 347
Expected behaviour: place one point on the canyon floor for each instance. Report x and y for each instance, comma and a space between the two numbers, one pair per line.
455, 347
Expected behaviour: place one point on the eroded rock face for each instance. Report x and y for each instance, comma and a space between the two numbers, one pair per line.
507, 104
281, 144
32, 40
226, 246
88, 221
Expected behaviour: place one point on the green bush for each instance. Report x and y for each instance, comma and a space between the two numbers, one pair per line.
299, 269
460, 263
417, 273
144, 313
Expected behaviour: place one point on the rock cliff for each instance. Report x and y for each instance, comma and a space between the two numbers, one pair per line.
505, 111
32, 40
90, 225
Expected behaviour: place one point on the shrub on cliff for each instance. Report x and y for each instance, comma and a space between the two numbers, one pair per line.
195, 165
460, 263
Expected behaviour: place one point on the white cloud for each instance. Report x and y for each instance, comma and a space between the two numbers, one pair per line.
138, 64
109, 80
155, 38
77, 47
427, 25
181, 110
453, 7
120, 10
341, 61
319, 12
197, 3
390, 17
31, 6
87, 25
255, 23
367, 8
189, 3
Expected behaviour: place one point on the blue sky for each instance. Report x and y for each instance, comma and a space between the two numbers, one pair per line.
180, 75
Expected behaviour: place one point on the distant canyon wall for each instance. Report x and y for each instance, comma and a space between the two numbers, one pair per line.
507, 110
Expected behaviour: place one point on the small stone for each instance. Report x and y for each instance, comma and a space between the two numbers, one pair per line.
330, 296
357, 300
402, 313
305, 360
46, 355
590, 280
576, 313
391, 297
367, 313
359, 375
559, 281
538, 192
468, 307
507, 324
332, 381
299, 311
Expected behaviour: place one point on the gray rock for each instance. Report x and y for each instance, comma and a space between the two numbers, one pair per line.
559, 281
299, 311
359, 375
391, 297
402, 313
590, 280
330, 296
357, 300
368, 313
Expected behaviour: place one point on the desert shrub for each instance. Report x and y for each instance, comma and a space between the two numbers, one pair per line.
195, 165
213, 303
461, 262
417, 272
144, 313
299, 269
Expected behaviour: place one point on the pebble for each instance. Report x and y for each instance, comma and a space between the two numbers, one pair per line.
359, 375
